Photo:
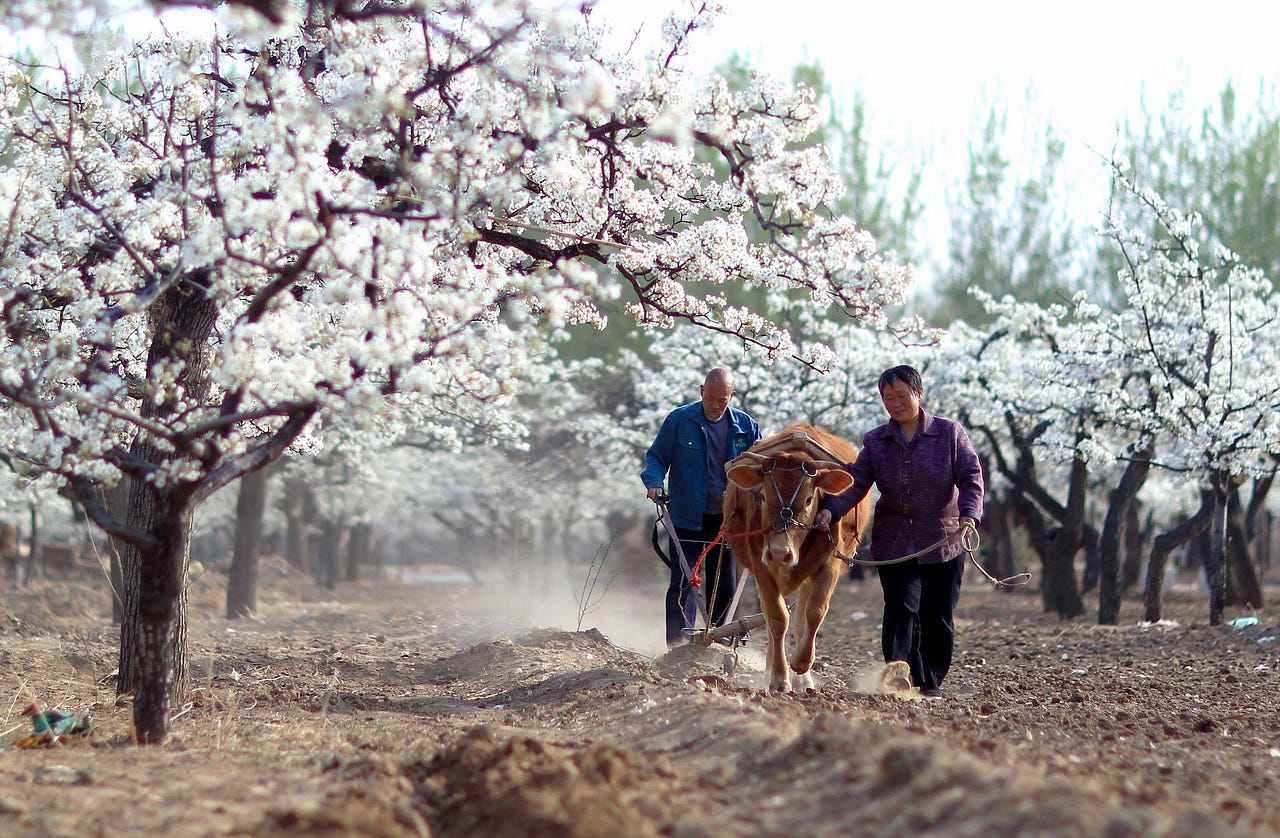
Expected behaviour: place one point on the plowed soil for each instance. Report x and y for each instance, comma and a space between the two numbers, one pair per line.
397, 708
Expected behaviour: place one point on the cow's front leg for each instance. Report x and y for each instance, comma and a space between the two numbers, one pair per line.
796, 638
775, 617
811, 610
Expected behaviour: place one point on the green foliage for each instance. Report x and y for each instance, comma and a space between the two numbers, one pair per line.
1223, 162
880, 195
1008, 235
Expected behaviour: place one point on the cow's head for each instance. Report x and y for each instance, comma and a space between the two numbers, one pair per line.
790, 488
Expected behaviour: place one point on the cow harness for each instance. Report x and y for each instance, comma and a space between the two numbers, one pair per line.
786, 515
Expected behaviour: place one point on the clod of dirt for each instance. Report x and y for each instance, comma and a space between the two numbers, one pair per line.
488, 784
896, 678
349, 813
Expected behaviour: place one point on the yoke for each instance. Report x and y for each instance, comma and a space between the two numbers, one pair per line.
799, 440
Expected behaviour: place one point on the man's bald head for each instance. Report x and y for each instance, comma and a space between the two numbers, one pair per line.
717, 392
719, 375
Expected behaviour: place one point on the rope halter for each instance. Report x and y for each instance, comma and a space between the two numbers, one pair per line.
810, 469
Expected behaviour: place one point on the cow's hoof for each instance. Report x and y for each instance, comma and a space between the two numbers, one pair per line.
779, 688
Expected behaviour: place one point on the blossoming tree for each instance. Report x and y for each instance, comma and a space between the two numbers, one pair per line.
211, 244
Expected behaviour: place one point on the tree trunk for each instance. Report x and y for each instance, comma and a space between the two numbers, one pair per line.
1136, 535
299, 510
1265, 534
1092, 572
327, 556
1216, 567
1135, 474
153, 633
33, 544
995, 521
297, 543
242, 581
1165, 543
1245, 588
358, 550
1061, 593
1058, 588
378, 553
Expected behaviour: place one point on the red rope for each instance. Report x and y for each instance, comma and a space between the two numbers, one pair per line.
760, 531
695, 580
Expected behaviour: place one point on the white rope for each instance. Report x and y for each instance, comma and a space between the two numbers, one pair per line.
969, 540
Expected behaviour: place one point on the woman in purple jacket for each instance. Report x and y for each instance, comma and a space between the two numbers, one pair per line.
930, 486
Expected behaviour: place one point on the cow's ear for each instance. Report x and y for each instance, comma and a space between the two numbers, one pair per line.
834, 481
748, 477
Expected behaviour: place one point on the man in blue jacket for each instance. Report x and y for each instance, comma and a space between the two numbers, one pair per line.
689, 453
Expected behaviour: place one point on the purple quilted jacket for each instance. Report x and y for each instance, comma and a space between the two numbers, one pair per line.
925, 488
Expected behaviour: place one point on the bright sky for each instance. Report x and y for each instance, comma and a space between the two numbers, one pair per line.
929, 70
930, 65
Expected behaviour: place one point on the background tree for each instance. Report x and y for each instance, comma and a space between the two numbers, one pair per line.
1009, 234
1205, 327
1221, 161
212, 244
242, 576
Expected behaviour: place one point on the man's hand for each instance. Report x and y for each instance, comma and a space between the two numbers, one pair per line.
656, 494
823, 519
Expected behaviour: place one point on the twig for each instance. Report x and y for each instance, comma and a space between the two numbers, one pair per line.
587, 599
572, 236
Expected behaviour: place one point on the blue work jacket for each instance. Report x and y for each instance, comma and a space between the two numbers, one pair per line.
679, 455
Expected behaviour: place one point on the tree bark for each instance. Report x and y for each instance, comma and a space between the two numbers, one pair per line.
1109, 564
1035, 506
1165, 543
1263, 540
358, 550
1136, 535
33, 544
1061, 592
1058, 588
1216, 567
1245, 588
299, 512
327, 564
995, 521
1059, 546
153, 631
242, 581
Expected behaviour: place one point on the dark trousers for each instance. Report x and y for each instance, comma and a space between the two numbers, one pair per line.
919, 617
719, 578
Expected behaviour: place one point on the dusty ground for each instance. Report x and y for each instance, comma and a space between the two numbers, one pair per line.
394, 709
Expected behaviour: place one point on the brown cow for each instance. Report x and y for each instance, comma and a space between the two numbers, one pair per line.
774, 492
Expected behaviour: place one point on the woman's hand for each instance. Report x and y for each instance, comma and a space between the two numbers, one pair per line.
823, 519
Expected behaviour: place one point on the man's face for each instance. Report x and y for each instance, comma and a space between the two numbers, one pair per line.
715, 399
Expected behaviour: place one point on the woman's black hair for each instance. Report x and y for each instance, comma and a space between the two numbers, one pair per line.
908, 375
